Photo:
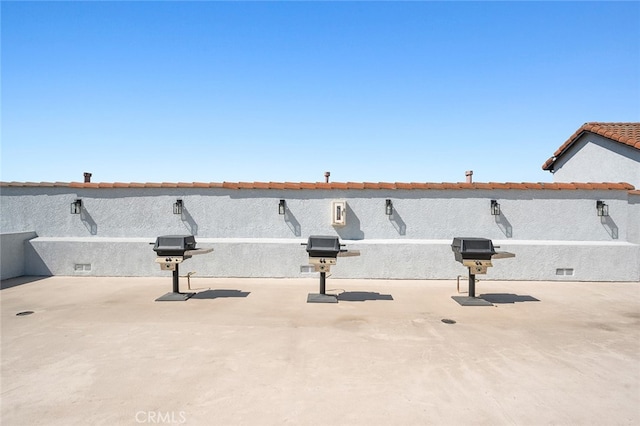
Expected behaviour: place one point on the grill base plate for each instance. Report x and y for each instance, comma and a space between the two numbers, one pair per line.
174, 297
322, 298
471, 301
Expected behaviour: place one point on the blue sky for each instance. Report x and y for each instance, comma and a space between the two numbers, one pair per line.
284, 91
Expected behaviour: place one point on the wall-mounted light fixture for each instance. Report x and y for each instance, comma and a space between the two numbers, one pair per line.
282, 206
601, 208
495, 208
177, 207
388, 207
76, 206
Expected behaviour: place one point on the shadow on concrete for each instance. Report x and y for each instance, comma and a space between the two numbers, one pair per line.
507, 298
14, 282
361, 296
216, 294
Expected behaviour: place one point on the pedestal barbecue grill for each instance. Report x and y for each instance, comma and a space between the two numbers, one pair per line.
172, 250
323, 252
476, 254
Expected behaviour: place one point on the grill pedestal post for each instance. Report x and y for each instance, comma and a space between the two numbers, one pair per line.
323, 282
322, 297
472, 284
471, 300
175, 295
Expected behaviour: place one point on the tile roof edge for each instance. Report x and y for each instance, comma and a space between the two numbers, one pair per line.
594, 127
424, 186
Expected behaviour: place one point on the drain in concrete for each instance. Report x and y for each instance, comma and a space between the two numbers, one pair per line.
23, 313
448, 321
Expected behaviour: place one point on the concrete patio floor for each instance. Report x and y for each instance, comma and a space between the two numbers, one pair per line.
101, 351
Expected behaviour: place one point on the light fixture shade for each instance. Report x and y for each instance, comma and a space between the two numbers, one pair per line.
76, 206
282, 206
495, 208
601, 208
388, 207
177, 207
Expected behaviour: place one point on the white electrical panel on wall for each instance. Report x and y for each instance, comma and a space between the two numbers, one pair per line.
339, 213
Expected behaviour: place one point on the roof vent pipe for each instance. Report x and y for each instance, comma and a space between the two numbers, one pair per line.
326, 176
87, 177
469, 175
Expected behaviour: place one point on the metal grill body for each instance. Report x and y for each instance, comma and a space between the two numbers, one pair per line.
171, 250
323, 252
476, 255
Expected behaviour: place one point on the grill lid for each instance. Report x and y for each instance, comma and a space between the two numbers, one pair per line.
472, 248
174, 244
323, 246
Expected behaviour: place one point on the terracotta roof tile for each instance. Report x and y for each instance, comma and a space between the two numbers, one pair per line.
386, 185
261, 185
620, 185
355, 185
582, 185
244, 185
419, 185
624, 133
276, 185
338, 185
200, 185
292, 185
480, 185
435, 186
551, 186
562, 185
599, 185
519, 185
401, 185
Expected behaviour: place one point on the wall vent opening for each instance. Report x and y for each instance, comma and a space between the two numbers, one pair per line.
307, 269
82, 267
564, 271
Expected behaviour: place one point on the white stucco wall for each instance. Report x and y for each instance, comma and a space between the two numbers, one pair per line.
634, 217
12, 253
594, 158
221, 213
547, 229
